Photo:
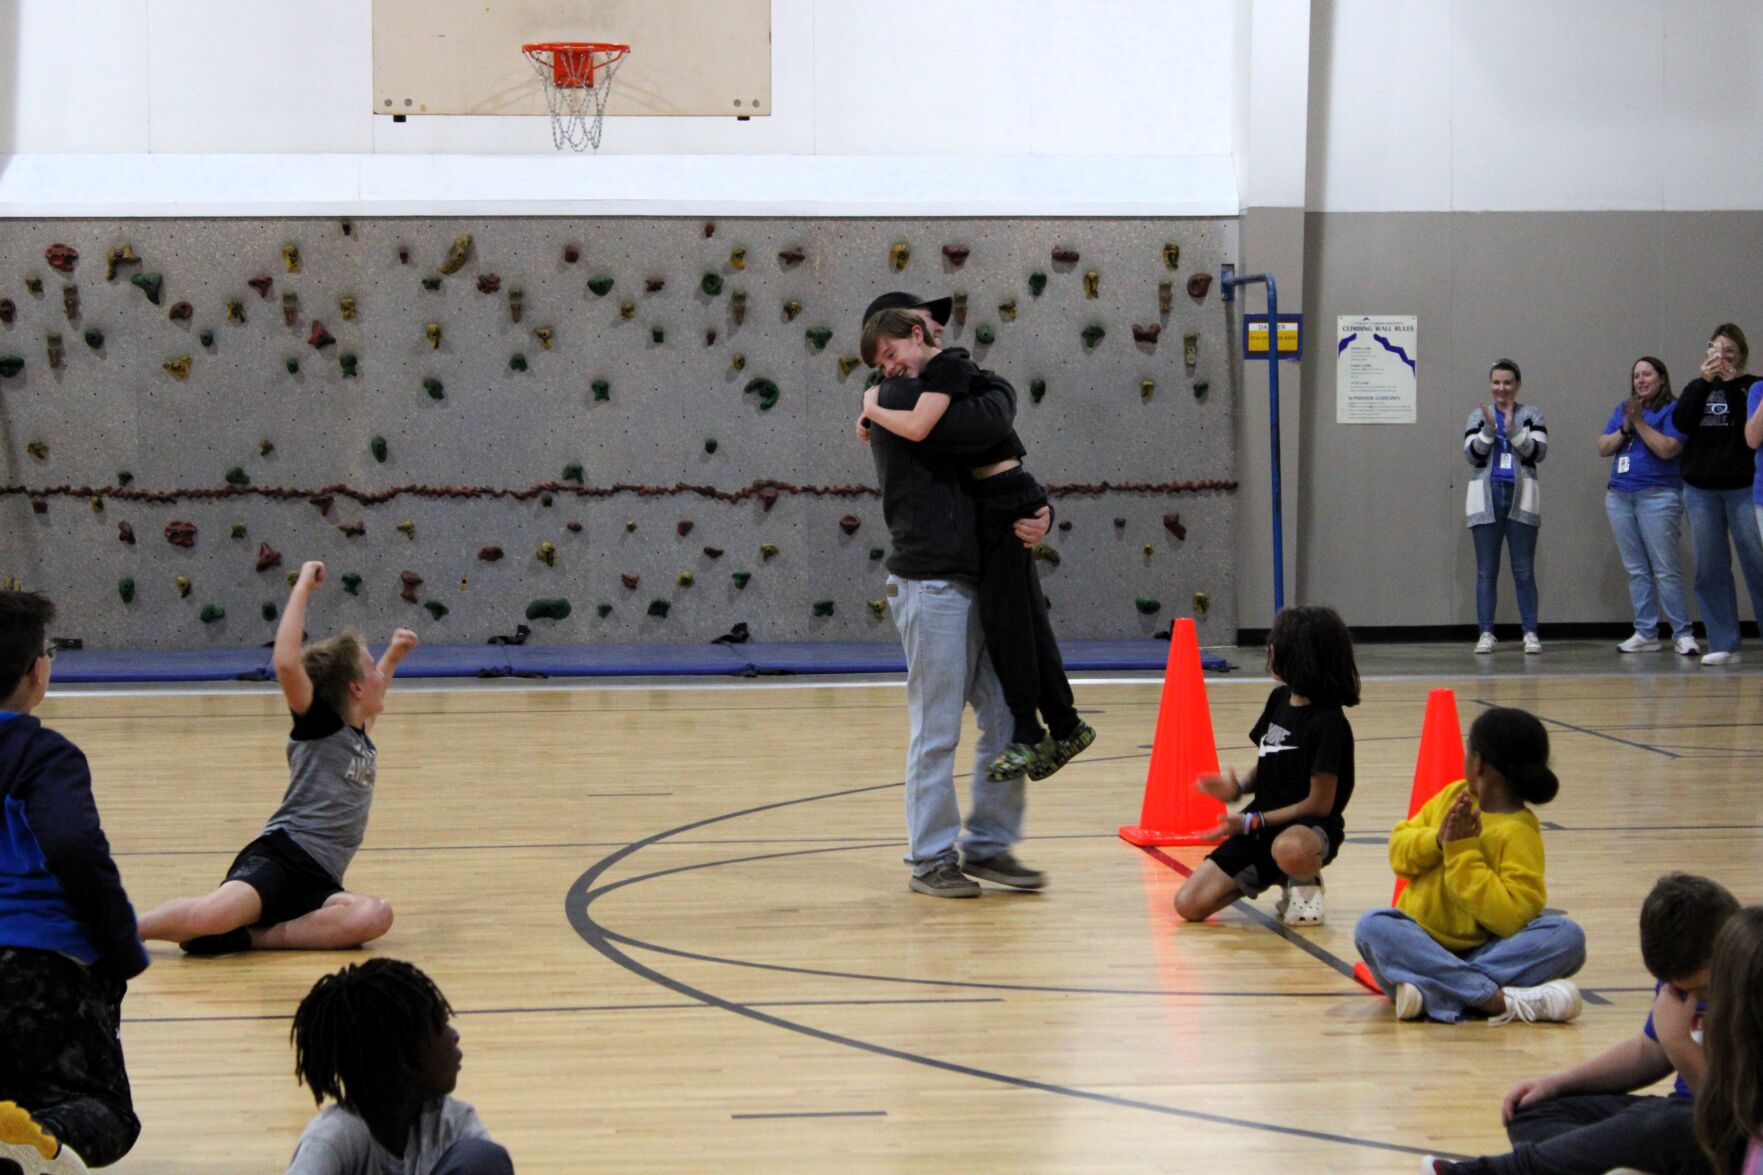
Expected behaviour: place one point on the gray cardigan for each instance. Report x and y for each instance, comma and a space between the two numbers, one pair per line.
1530, 441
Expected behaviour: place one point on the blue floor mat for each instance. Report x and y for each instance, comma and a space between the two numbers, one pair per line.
824, 656
84, 667
625, 661
454, 661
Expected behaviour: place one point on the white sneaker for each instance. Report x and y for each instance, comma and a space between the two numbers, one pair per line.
1555, 1002
1485, 643
1531, 643
1722, 658
1409, 1005
1640, 643
1687, 647
1300, 905
29, 1148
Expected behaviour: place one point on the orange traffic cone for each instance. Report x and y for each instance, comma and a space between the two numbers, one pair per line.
1175, 812
1439, 764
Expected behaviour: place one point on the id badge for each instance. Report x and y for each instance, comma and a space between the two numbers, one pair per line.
1622, 463
1505, 461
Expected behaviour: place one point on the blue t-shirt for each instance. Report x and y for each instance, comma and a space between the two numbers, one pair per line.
1636, 467
1681, 1089
1751, 402
1502, 460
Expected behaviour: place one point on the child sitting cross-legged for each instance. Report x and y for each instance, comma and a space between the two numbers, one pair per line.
1469, 932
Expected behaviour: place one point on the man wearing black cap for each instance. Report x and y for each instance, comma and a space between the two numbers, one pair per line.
933, 569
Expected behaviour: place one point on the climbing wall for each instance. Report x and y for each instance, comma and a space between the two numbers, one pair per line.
473, 421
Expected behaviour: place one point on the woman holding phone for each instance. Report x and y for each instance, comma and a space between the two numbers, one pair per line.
1504, 442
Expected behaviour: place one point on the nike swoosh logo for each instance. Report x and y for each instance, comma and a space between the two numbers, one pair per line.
1276, 750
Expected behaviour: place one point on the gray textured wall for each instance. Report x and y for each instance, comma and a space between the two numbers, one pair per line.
1574, 298
117, 409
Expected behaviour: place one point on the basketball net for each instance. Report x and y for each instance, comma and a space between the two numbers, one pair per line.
577, 77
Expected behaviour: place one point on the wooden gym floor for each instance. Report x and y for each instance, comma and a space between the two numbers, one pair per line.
675, 927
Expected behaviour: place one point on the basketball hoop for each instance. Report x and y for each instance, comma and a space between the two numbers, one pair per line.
577, 76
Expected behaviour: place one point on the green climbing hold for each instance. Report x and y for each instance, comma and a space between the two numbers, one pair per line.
765, 390
711, 285
659, 609
349, 364
602, 390
270, 611
377, 446
237, 476
352, 583
206, 338
574, 472
710, 445
817, 336
601, 284
741, 578
293, 366
125, 587
1037, 282
517, 362
985, 336
149, 284
551, 608
876, 554
657, 335
433, 387
1201, 387
435, 608
823, 607
94, 338
431, 283
124, 477
11, 365
1037, 390
603, 610
211, 613
1093, 334
1146, 605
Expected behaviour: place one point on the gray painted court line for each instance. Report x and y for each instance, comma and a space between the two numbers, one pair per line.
683, 1006
1594, 733
813, 1114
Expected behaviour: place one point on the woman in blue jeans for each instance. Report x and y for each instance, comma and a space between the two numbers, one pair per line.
1504, 441
1719, 470
1645, 504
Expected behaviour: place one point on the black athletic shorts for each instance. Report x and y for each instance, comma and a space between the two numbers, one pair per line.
1248, 860
284, 875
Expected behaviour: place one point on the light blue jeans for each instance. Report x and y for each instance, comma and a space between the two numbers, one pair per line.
1714, 515
1521, 539
947, 670
1399, 950
1646, 524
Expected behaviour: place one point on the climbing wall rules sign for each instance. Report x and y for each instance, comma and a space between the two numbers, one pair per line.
1377, 359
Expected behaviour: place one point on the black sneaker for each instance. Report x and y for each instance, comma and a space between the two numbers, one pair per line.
1004, 869
945, 881
1054, 753
232, 942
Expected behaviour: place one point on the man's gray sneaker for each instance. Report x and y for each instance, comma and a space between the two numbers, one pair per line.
945, 881
1005, 869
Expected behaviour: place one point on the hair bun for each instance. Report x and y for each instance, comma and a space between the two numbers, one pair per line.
1535, 783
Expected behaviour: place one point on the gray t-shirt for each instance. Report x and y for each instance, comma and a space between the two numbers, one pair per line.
330, 788
337, 1142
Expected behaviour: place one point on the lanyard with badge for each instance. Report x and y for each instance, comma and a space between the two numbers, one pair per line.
1502, 442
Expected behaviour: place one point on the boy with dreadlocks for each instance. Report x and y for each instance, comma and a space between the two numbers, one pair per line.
375, 1038
285, 889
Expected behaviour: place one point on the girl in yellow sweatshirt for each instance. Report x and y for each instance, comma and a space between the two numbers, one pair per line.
1469, 932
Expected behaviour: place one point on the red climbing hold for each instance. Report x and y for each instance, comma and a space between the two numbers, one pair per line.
573, 527
322, 501
180, 312
1065, 256
319, 337
767, 496
267, 557
654, 285
571, 254
180, 534
8, 311
629, 581
1199, 284
488, 283
849, 523
261, 283
126, 533
1172, 523
713, 552
1146, 334
61, 257
683, 527
39, 506
411, 581
353, 530
489, 554
957, 254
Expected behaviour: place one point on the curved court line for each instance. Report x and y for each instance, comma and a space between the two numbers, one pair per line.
583, 892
